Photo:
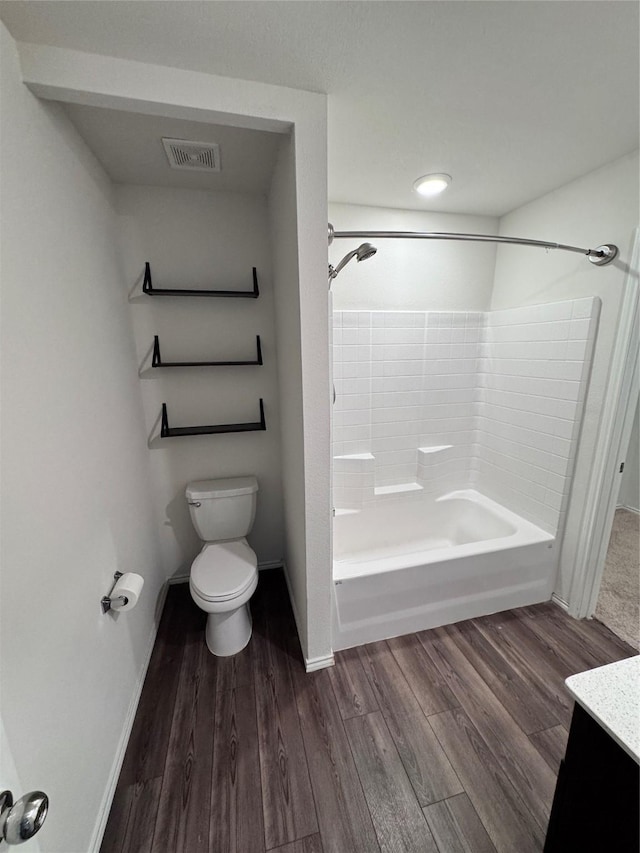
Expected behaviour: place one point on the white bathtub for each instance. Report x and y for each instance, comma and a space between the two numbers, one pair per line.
413, 563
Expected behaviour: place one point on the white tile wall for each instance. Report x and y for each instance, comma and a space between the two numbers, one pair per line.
406, 380
502, 390
533, 377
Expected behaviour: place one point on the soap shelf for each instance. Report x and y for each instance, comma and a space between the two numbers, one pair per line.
157, 359
170, 432
150, 290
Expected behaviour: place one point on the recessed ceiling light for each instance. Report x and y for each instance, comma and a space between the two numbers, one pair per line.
429, 185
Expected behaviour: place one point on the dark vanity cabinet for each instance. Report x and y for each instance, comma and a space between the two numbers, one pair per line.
596, 803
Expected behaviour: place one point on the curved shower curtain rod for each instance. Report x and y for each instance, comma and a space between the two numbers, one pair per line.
600, 257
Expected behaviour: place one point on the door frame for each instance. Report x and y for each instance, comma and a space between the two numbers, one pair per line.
611, 447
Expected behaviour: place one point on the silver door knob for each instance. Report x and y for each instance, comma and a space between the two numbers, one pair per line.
21, 820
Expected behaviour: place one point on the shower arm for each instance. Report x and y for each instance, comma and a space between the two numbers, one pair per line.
600, 257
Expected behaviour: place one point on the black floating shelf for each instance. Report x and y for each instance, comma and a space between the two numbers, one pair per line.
157, 360
150, 290
170, 432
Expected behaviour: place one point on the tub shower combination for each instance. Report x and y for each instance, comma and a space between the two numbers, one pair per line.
454, 439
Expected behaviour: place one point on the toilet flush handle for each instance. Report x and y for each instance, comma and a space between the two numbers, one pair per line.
194, 503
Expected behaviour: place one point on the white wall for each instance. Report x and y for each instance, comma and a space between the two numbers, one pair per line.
75, 480
416, 275
601, 207
629, 495
204, 240
282, 210
301, 324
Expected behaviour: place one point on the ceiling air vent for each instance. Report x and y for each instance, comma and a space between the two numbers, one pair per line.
194, 156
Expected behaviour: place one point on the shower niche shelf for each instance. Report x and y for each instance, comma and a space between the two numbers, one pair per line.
150, 290
173, 432
157, 358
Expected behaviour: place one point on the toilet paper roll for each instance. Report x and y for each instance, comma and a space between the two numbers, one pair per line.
130, 586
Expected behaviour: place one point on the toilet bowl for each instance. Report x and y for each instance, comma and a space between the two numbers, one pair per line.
224, 575
223, 578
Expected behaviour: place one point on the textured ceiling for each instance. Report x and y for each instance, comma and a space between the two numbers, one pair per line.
513, 98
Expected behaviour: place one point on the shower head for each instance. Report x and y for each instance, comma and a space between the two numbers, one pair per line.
364, 251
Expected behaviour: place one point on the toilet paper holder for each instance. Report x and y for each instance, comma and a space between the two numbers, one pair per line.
107, 603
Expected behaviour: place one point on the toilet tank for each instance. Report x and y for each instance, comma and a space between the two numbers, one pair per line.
222, 509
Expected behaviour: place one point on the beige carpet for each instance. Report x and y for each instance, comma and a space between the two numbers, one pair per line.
619, 599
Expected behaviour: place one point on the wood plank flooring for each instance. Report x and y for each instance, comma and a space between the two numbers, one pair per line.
446, 741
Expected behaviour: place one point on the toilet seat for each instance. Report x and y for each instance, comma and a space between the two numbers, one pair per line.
224, 570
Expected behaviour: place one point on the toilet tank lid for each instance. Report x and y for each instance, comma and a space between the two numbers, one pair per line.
229, 487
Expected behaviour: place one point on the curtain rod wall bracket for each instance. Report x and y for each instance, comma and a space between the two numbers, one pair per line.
606, 253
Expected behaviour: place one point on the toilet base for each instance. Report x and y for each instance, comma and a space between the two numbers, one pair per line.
228, 633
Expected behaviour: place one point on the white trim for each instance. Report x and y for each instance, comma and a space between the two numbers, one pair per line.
628, 508
313, 664
602, 490
560, 602
178, 579
116, 767
270, 564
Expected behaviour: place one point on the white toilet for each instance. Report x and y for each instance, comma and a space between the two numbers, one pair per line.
224, 575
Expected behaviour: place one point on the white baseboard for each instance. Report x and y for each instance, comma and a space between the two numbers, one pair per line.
178, 579
560, 602
312, 664
107, 800
270, 564
629, 508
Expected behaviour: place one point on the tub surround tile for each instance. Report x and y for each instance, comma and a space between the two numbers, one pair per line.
397, 489
500, 387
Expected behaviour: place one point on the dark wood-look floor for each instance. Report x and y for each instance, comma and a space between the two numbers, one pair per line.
446, 741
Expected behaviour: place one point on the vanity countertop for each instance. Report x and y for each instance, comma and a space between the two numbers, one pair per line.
611, 695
